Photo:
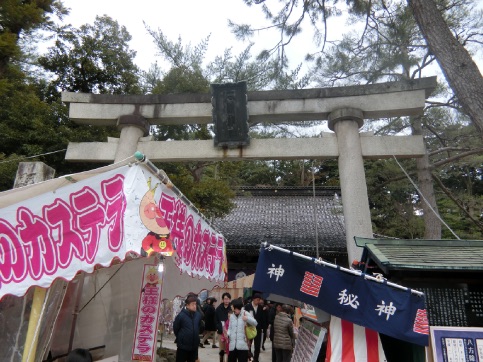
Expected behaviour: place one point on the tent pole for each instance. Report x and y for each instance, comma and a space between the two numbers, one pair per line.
35, 315
79, 289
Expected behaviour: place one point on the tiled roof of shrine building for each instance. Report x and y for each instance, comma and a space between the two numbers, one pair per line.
284, 216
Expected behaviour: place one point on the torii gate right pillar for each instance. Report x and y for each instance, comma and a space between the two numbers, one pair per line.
345, 122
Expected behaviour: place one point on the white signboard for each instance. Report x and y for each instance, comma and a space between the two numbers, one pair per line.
308, 342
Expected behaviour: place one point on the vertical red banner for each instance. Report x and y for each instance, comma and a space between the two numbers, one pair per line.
145, 337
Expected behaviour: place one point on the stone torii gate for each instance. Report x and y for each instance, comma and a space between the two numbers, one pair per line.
345, 108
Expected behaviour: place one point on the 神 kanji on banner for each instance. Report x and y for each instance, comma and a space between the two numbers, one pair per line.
88, 222
145, 338
393, 311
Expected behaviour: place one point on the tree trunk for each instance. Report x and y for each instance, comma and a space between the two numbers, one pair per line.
458, 67
197, 171
432, 225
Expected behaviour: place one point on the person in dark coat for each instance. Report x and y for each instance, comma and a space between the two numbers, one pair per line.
186, 328
210, 322
221, 315
257, 313
265, 308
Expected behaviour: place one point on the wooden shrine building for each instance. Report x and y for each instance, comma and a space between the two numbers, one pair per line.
289, 217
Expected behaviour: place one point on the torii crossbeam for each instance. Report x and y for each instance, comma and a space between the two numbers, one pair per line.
344, 107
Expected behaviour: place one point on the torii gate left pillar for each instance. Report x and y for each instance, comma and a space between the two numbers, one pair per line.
132, 127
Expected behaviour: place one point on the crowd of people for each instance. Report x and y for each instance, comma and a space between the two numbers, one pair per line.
195, 325
225, 325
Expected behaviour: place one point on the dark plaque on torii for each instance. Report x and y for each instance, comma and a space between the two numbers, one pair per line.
230, 114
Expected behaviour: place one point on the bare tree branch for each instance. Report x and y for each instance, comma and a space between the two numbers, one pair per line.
458, 202
457, 157
438, 164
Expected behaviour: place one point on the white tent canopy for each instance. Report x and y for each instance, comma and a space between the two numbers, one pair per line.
95, 222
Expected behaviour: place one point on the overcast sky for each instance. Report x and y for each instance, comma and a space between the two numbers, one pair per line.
193, 20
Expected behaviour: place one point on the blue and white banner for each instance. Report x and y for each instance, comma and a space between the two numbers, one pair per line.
393, 311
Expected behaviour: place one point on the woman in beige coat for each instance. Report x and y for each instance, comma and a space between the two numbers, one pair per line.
283, 339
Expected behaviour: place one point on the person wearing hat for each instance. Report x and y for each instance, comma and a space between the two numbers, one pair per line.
186, 328
210, 322
257, 313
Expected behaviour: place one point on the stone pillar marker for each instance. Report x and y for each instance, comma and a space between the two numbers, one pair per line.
345, 122
133, 127
29, 173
